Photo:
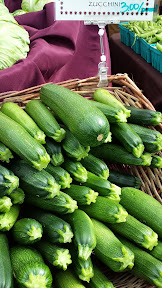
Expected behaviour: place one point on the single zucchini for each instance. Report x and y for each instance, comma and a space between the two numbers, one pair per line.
8, 181
106, 210
145, 265
8, 219
73, 148
84, 237
104, 96
137, 232
82, 194
99, 280
130, 140
113, 153
113, 114
5, 153
156, 161
54, 149
54, 254
87, 123
122, 179
29, 268
5, 204
15, 112
34, 182
103, 187
143, 207
144, 116
96, 166
61, 175
45, 120
67, 279
110, 250
152, 139
15, 137
61, 204
55, 229
76, 170
17, 196
27, 231
6, 279
83, 268
157, 251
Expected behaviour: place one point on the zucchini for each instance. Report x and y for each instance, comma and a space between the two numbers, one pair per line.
61, 204
144, 116
8, 219
99, 280
87, 123
34, 182
137, 232
27, 231
76, 170
157, 251
73, 148
113, 153
120, 179
67, 279
156, 161
83, 195
8, 181
110, 250
55, 229
54, 254
29, 268
83, 268
103, 187
152, 139
5, 204
17, 196
96, 166
15, 112
145, 265
6, 279
45, 120
106, 210
104, 96
130, 140
113, 114
61, 175
15, 137
143, 207
5, 153
55, 151
84, 236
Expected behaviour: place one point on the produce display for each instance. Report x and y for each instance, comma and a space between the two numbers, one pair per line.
64, 212
14, 39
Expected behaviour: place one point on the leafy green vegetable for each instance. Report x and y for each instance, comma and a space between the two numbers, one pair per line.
33, 5
5, 15
18, 12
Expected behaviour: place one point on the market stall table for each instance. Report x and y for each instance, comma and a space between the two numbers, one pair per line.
125, 60
59, 50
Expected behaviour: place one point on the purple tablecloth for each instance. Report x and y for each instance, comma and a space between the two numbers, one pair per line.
59, 50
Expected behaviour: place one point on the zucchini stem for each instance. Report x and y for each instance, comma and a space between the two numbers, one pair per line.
65, 235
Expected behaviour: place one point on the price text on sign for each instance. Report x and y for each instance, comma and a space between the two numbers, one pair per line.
104, 10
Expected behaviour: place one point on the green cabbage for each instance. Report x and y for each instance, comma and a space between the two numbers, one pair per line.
5, 15
33, 5
2, 2
18, 12
14, 40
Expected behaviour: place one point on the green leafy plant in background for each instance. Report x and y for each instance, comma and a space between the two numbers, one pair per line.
14, 39
33, 5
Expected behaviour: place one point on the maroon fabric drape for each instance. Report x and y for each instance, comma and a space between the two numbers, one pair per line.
59, 50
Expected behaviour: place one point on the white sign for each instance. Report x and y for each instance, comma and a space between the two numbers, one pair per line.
104, 10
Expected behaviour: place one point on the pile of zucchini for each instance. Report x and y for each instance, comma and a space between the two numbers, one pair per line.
63, 212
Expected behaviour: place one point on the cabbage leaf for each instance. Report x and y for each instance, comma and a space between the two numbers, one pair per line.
33, 5
18, 12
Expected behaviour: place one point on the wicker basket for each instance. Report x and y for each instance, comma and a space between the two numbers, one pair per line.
125, 90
